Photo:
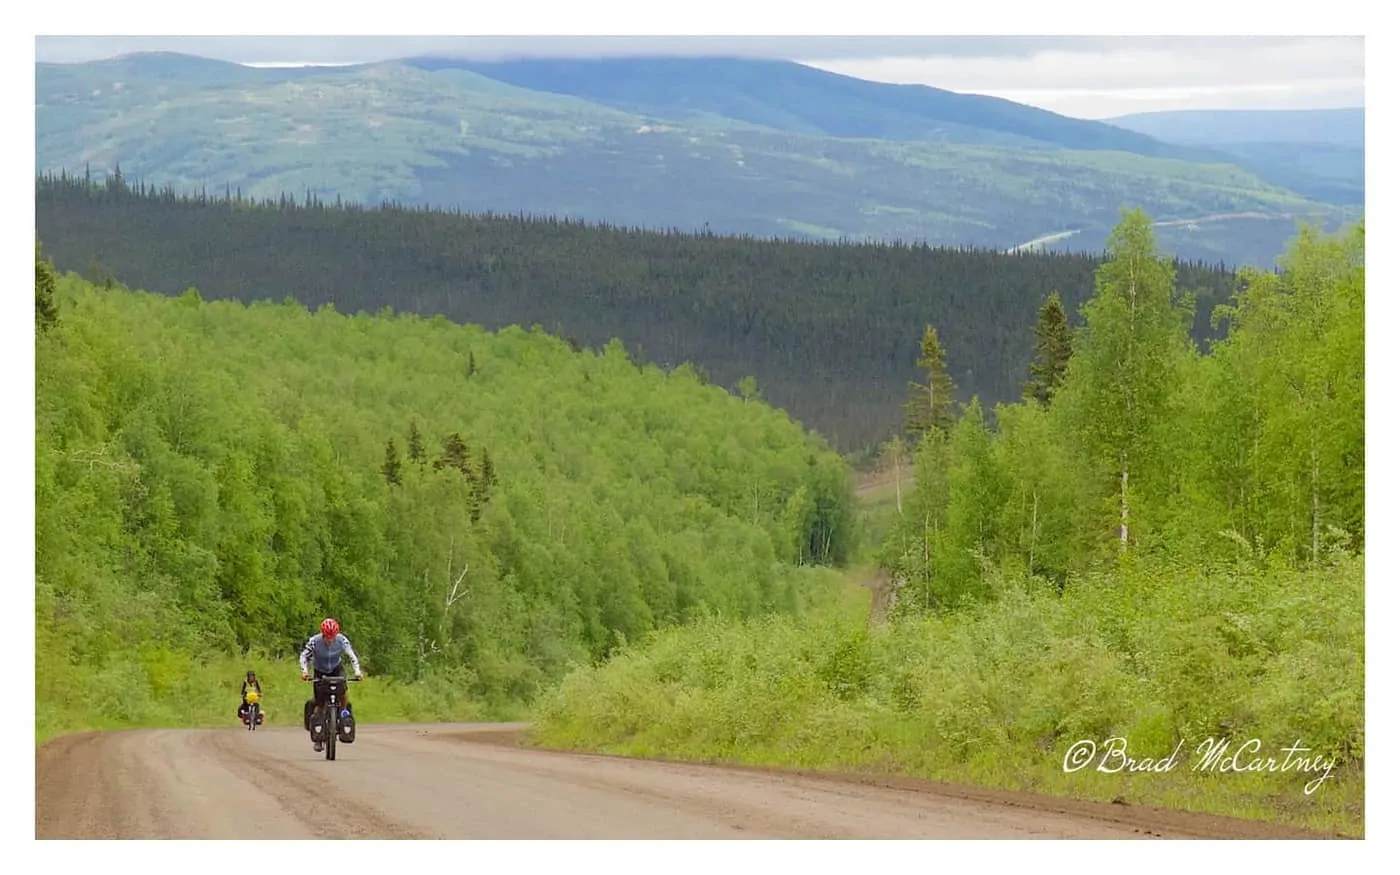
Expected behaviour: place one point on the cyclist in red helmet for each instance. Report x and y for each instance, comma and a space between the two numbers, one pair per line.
323, 651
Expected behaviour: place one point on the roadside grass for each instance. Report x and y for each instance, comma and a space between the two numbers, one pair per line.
166, 690
997, 696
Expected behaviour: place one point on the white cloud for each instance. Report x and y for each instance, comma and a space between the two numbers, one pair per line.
1089, 77
1235, 72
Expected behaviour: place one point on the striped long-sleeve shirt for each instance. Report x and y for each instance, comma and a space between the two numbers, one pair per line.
325, 655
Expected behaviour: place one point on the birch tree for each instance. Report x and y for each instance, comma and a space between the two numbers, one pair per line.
1128, 354
1293, 368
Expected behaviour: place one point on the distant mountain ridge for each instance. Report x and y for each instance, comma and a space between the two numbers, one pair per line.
768, 149
1221, 127
793, 97
1319, 153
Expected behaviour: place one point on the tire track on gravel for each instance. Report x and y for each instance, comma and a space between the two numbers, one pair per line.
292, 786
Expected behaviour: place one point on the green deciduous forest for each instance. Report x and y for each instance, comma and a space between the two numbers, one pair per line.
479, 510
1157, 542
830, 332
1130, 437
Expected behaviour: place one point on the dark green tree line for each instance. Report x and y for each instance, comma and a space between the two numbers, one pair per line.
825, 329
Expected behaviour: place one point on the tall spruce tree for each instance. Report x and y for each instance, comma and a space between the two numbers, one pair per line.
931, 406
454, 455
1053, 344
45, 309
392, 468
415, 444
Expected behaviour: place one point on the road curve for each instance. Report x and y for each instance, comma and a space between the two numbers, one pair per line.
460, 781
1166, 223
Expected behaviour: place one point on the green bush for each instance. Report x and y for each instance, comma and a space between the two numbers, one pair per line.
997, 695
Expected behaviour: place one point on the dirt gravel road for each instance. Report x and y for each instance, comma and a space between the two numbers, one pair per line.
464, 781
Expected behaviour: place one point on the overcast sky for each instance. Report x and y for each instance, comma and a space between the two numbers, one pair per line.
1089, 77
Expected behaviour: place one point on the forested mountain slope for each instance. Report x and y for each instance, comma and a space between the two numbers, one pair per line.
830, 331
481, 508
1319, 153
793, 97
1345, 127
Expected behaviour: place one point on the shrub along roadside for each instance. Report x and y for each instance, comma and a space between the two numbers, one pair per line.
997, 696
161, 689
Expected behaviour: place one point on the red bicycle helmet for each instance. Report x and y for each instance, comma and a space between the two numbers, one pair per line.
330, 628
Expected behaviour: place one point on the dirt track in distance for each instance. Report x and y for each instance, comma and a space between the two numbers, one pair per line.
472, 781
